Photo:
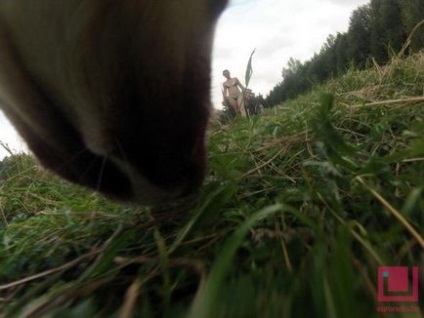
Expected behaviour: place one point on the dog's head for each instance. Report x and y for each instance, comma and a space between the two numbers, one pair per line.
113, 95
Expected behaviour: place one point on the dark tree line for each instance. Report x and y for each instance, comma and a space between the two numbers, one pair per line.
376, 32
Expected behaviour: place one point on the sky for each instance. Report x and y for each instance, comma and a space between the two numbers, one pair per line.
277, 29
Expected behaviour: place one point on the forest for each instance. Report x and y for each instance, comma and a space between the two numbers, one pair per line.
377, 31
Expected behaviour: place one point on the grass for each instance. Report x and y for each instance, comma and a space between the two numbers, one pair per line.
301, 206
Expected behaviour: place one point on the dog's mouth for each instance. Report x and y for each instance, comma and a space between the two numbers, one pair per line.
122, 180
143, 159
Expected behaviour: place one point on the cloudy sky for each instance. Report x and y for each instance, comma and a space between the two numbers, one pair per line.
278, 29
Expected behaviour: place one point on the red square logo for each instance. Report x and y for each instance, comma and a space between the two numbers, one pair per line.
397, 284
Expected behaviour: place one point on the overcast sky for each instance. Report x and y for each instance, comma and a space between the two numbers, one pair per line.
278, 29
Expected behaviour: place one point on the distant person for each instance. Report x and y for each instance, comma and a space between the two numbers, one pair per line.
232, 93
252, 103
249, 102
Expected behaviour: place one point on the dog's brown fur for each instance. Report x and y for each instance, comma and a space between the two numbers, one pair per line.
111, 94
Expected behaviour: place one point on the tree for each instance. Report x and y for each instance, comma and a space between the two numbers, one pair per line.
359, 36
293, 67
341, 52
412, 14
324, 64
388, 31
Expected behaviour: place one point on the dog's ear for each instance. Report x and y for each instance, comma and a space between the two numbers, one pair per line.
113, 95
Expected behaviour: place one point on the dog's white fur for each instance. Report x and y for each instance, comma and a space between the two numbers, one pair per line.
111, 94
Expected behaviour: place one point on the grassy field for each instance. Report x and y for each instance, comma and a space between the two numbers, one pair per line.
300, 208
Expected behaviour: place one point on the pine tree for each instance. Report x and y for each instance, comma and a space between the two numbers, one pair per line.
359, 36
341, 53
388, 32
412, 14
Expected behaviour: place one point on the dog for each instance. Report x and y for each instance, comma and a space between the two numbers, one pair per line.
113, 95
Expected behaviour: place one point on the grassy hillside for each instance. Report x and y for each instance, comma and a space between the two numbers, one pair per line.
301, 206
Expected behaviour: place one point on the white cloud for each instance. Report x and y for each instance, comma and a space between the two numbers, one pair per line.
9, 137
278, 30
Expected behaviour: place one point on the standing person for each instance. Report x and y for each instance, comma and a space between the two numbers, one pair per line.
233, 94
